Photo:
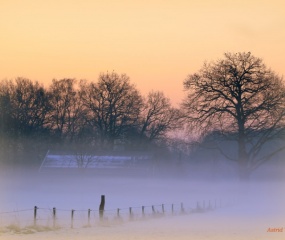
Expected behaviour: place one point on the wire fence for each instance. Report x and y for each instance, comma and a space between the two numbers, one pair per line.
55, 218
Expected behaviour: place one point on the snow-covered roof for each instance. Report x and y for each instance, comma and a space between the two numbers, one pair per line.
92, 161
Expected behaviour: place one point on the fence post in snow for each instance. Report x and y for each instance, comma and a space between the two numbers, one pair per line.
162, 206
102, 206
89, 217
182, 208
172, 208
153, 211
143, 211
131, 213
72, 216
35, 215
54, 216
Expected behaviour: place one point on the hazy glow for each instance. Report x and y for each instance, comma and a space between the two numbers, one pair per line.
157, 43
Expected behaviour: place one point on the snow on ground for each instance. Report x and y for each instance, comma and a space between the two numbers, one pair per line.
255, 207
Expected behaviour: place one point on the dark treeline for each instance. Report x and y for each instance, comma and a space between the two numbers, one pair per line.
237, 102
80, 115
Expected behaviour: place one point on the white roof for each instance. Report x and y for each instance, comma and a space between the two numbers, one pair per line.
91, 161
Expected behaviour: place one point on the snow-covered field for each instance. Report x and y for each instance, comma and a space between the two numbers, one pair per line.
255, 207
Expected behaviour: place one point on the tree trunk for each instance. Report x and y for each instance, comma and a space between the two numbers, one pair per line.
244, 172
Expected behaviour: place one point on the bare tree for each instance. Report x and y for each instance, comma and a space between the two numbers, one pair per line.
113, 105
67, 113
239, 97
83, 156
158, 116
23, 116
28, 103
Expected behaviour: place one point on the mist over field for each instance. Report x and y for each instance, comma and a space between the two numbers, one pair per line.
124, 120
243, 210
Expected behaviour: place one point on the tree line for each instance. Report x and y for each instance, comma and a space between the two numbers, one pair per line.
94, 115
236, 99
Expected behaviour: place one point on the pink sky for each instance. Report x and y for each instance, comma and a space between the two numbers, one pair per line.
157, 43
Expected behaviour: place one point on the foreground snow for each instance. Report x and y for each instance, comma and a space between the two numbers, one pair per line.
258, 207
211, 225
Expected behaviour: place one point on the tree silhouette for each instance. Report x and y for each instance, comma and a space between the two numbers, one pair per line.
23, 113
24, 106
67, 113
157, 116
113, 106
241, 98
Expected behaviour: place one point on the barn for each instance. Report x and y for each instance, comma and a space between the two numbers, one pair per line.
103, 163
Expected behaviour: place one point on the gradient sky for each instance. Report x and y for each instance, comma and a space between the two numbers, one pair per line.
155, 42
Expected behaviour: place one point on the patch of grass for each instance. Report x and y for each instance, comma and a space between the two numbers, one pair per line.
40, 228
3, 230
16, 229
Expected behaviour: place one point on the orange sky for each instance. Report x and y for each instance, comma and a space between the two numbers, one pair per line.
156, 42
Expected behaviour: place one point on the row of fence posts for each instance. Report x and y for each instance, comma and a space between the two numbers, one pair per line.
53, 215
199, 208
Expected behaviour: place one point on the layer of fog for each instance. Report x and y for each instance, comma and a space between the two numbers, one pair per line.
250, 202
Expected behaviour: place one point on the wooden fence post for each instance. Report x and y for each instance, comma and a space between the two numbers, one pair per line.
72, 216
131, 213
182, 208
54, 216
153, 211
162, 206
172, 208
89, 211
143, 211
102, 206
35, 215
